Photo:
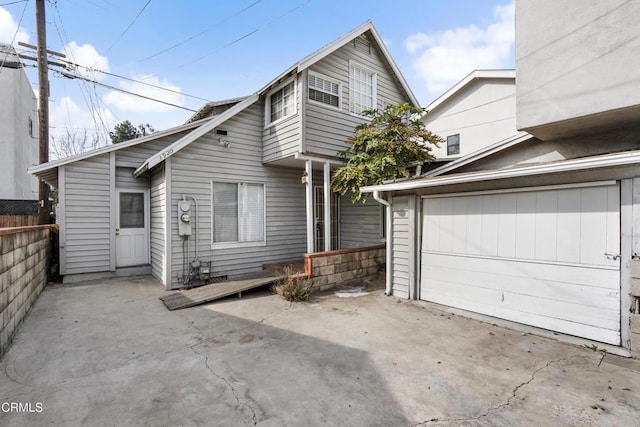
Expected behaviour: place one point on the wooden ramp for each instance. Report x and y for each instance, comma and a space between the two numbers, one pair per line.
207, 293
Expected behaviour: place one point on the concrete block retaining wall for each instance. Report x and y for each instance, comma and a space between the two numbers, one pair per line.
24, 258
344, 266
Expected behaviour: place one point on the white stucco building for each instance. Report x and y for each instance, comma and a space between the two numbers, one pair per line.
18, 129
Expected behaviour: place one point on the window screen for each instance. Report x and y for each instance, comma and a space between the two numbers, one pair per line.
131, 210
238, 212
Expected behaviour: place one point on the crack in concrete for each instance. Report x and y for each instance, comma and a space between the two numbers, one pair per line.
229, 384
502, 405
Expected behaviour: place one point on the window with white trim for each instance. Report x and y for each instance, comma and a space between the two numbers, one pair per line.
282, 102
238, 212
453, 144
324, 90
362, 89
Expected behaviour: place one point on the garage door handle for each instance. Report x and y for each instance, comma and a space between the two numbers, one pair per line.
612, 256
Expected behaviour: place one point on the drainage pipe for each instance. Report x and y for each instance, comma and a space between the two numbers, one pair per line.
388, 243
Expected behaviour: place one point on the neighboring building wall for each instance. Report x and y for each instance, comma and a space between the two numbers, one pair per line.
635, 272
326, 128
18, 146
578, 65
158, 223
23, 275
482, 113
281, 139
360, 224
344, 267
192, 170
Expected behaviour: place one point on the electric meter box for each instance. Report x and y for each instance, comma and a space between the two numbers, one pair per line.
184, 218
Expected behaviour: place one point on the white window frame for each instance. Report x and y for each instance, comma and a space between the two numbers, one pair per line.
225, 245
452, 145
267, 105
329, 79
374, 100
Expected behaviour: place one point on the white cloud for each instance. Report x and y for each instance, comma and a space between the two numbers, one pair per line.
8, 27
135, 104
444, 58
67, 117
87, 56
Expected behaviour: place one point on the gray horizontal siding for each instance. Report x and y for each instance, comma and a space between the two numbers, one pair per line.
158, 204
282, 139
87, 215
359, 223
125, 179
400, 248
327, 128
134, 156
191, 172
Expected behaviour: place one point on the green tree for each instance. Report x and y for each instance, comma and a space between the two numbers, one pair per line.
384, 149
125, 131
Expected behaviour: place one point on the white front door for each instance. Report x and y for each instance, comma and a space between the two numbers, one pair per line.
132, 227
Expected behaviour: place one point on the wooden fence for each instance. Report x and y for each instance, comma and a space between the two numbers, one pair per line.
18, 220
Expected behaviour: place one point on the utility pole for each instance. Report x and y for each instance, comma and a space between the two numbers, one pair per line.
43, 108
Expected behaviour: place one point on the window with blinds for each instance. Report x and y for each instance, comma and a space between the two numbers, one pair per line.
282, 102
324, 90
362, 89
238, 212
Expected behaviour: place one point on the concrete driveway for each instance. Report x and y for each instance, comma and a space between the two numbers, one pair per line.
109, 353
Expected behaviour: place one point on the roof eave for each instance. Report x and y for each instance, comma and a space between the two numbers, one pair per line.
585, 163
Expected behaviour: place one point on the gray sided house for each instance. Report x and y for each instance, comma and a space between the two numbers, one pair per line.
226, 187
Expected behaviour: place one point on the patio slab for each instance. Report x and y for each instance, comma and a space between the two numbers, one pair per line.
109, 353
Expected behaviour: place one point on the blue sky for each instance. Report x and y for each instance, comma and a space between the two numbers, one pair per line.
245, 43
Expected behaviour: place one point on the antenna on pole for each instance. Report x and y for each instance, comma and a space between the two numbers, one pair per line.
43, 109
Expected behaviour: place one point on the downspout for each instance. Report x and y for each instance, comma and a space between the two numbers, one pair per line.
377, 198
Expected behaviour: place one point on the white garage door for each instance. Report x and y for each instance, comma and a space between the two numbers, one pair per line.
547, 258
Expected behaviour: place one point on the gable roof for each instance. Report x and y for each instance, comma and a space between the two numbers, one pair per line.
480, 154
41, 170
469, 79
294, 69
203, 126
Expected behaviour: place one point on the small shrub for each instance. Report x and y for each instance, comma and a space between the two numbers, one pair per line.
380, 266
293, 288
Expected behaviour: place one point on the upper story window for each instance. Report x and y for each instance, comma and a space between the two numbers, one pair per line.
362, 89
324, 90
453, 144
31, 128
281, 102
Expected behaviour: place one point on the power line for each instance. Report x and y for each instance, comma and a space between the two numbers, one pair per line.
217, 24
128, 27
13, 2
75, 76
13, 39
137, 81
290, 11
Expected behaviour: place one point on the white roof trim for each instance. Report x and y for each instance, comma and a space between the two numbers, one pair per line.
480, 154
195, 134
593, 162
113, 147
476, 74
